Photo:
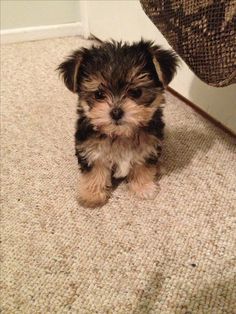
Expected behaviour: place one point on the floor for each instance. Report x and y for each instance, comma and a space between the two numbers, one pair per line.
174, 254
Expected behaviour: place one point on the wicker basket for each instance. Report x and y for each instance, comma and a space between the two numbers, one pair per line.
202, 32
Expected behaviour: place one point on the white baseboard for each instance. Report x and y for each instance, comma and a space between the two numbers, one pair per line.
41, 32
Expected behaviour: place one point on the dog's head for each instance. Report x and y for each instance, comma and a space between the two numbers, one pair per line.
119, 85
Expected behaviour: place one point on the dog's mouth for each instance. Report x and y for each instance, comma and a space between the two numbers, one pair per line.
119, 122
116, 128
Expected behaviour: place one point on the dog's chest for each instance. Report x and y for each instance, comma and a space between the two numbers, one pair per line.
116, 152
122, 153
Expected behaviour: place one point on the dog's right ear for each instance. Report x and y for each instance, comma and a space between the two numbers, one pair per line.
69, 70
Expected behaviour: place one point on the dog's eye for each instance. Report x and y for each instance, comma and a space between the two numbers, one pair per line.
135, 93
99, 94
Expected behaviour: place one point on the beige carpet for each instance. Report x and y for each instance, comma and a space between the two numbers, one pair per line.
174, 254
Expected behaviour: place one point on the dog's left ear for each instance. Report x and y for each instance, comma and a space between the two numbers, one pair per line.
166, 62
69, 70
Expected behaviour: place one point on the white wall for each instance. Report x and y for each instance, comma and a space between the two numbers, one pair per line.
126, 20
25, 20
27, 13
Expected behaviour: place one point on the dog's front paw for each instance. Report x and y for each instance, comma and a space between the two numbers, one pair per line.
92, 199
145, 192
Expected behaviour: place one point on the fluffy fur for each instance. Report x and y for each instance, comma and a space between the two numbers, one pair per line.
120, 128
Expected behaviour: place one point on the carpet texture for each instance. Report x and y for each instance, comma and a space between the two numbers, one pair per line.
174, 254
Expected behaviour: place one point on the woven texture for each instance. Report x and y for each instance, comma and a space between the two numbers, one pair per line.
174, 254
202, 32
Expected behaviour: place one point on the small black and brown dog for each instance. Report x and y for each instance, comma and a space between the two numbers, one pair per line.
120, 127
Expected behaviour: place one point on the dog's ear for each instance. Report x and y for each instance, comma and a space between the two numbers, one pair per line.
165, 62
69, 69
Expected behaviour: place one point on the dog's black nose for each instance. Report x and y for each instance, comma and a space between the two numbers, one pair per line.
117, 114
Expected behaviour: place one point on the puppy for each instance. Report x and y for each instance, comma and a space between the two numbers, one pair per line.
119, 130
